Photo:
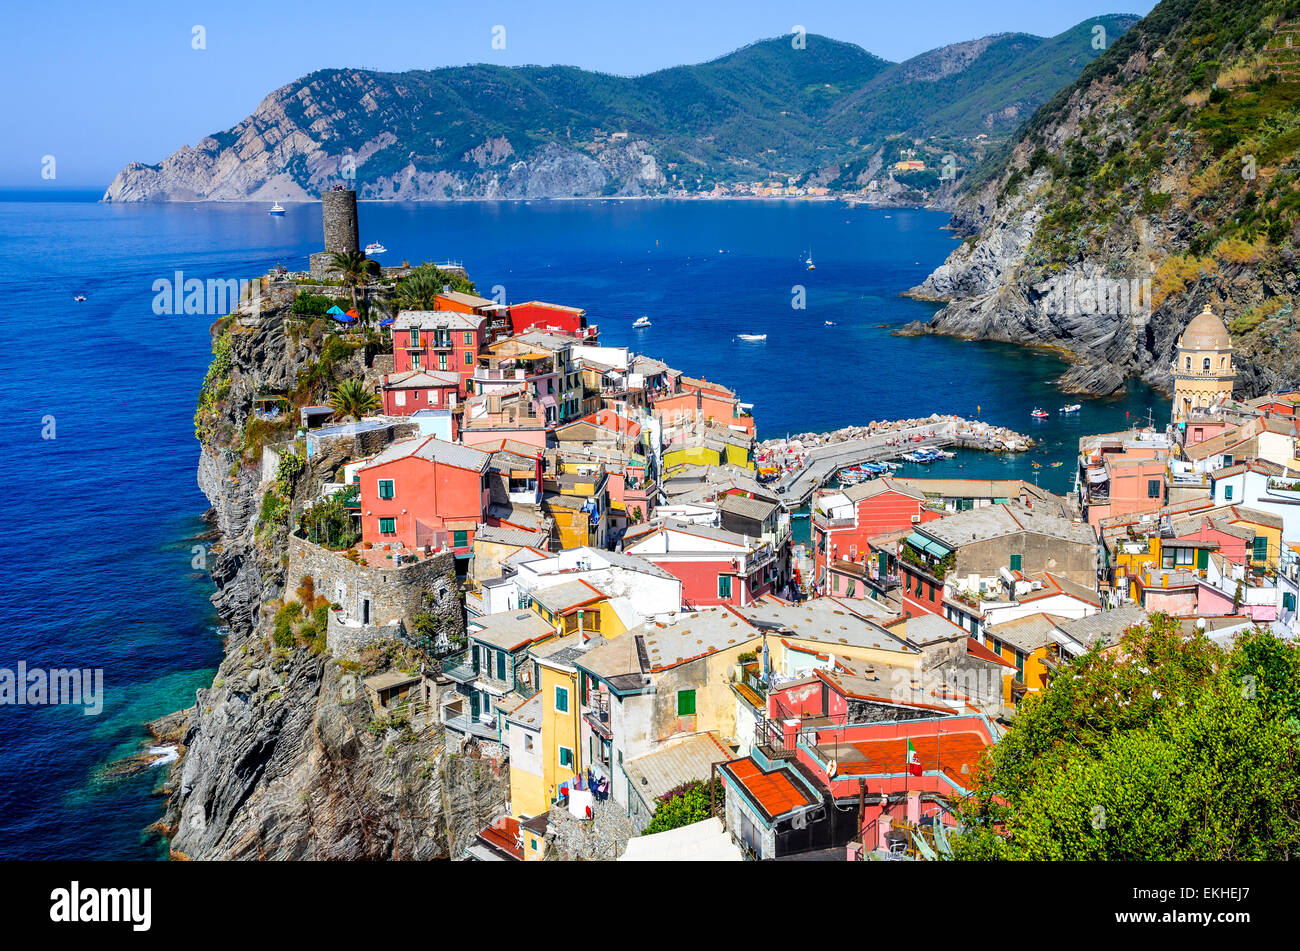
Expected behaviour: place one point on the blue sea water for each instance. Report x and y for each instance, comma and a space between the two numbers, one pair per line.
98, 546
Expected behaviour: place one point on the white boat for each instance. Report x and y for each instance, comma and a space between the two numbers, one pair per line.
276, 210
752, 336
374, 247
642, 321
809, 263
830, 323
79, 298
1072, 408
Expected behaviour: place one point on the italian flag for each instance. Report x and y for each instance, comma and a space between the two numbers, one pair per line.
913, 763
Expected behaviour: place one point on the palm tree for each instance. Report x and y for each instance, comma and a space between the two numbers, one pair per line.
419, 290
355, 268
353, 398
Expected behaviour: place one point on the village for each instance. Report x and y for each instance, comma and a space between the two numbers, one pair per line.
602, 571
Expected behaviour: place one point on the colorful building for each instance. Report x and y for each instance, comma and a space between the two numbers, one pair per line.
442, 340
414, 390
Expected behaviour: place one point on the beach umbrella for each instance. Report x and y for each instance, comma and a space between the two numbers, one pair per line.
343, 318
336, 309
386, 321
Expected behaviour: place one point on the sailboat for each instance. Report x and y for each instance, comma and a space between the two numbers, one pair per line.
809, 263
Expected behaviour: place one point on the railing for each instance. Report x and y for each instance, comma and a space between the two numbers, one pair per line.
460, 666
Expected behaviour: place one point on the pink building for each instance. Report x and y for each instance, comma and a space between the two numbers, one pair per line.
413, 390
442, 340
715, 566
421, 493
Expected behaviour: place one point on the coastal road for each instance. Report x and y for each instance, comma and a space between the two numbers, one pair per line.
825, 460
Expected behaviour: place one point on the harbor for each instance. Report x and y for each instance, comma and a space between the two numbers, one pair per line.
801, 464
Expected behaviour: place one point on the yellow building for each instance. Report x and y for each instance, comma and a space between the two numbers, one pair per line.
1031, 644
561, 735
1203, 369
1267, 547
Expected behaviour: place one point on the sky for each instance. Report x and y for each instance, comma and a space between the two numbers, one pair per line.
105, 83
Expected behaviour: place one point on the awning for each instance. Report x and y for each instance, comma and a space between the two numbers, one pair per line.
1096, 475
921, 543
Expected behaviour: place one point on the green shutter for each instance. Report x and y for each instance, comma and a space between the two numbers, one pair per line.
686, 703
884, 565
1015, 562
459, 539
561, 700
501, 665
1261, 548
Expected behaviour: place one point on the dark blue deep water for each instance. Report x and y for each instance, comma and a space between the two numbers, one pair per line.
96, 545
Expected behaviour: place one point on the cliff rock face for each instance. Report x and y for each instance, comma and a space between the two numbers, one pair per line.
1162, 180
284, 756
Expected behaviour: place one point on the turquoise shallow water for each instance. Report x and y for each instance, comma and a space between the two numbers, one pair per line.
98, 546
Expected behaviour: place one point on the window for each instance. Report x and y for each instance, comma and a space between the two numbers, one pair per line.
1288, 600
1227, 493
469, 338
415, 336
387, 489
1015, 562
528, 742
1261, 548
1020, 666
533, 843
501, 665
415, 361
561, 699
442, 361
566, 757
388, 526
469, 358
930, 585
1153, 488
850, 590
724, 586
399, 398
459, 539
686, 703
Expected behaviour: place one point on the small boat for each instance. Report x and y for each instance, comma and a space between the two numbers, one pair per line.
1039, 413
809, 263
1037, 465
798, 514
1072, 408
276, 210
830, 323
1057, 465
79, 298
642, 321
752, 336
374, 247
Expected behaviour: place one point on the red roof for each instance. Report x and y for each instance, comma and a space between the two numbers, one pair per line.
774, 791
504, 835
887, 756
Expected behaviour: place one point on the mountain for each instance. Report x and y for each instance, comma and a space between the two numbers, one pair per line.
767, 110
1166, 177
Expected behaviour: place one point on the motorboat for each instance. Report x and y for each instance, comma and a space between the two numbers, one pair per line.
79, 298
374, 247
1039, 413
642, 321
830, 323
1072, 408
751, 336
276, 210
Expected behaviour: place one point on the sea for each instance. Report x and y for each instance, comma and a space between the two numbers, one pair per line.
101, 552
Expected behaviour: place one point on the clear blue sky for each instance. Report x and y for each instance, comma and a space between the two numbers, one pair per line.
103, 83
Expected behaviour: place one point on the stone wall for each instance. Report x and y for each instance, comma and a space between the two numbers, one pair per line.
390, 596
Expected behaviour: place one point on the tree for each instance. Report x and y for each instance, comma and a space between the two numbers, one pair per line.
354, 267
419, 289
1168, 747
687, 804
353, 398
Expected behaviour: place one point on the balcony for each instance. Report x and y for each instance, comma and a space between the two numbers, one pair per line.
462, 724
597, 716
459, 667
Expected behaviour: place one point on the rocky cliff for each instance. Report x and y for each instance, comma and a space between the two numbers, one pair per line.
284, 756
1166, 177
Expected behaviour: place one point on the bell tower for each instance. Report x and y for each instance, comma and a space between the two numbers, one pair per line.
1203, 370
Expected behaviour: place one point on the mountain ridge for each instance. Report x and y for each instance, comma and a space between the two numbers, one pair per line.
483, 131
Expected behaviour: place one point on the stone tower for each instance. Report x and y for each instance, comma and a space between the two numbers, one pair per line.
1203, 370
339, 222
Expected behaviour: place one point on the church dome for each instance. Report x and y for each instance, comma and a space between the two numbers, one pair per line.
1205, 332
